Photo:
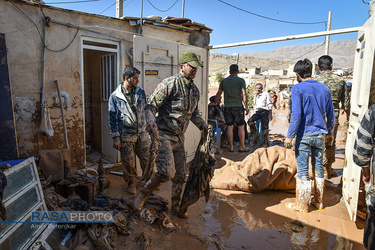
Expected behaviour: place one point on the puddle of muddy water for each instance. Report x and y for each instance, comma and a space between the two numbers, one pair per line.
242, 221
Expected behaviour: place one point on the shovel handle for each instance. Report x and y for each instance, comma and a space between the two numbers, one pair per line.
62, 115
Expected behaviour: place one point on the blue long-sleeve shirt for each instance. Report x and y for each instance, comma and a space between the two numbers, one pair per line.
312, 110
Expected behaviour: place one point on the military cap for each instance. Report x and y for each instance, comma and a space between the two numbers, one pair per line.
190, 58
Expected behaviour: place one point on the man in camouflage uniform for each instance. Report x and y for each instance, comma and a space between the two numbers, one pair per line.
347, 104
175, 103
337, 86
127, 124
363, 154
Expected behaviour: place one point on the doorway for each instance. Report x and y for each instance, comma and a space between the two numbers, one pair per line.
100, 79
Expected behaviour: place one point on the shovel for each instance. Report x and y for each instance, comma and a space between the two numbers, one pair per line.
66, 154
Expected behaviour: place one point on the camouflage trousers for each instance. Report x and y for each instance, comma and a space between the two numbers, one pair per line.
330, 151
171, 159
129, 149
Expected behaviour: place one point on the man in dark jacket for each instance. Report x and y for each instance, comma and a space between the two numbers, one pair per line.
127, 124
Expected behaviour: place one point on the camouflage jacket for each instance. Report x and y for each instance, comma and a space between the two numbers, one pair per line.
337, 86
365, 140
349, 94
174, 103
122, 120
215, 113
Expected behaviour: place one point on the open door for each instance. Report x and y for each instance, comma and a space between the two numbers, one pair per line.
363, 83
158, 59
101, 77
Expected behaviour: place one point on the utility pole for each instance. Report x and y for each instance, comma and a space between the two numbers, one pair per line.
119, 8
140, 27
238, 58
328, 37
183, 8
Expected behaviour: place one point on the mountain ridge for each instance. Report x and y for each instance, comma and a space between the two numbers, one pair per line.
342, 53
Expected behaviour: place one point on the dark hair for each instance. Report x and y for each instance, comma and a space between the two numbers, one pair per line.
233, 68
303, 68
129, 71
325, 62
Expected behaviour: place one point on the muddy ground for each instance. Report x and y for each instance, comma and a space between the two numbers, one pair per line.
238, 220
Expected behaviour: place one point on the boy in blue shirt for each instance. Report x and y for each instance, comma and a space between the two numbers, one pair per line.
312, 120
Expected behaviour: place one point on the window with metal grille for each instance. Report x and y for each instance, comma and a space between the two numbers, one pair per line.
108, 67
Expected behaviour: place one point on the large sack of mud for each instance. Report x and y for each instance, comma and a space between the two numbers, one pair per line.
272, 168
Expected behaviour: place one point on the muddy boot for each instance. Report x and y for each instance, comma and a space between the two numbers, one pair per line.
176, 198
328, 171
318, 193
303, 196
254, 131
131, 187
266, 142
150, 186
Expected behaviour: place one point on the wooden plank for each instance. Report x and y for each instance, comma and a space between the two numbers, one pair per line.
8, 140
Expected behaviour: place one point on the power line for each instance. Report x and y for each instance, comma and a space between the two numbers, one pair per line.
84, 1
300, 55
40, 35
114, 4
160, 9
269, 18
365, 2
109, 7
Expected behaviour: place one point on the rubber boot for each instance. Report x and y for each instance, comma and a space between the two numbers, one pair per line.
303, 196
254, 131
131, 187
318, 193
176, 199
266, 138
150, 186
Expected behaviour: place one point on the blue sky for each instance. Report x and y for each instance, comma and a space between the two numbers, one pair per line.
231, 25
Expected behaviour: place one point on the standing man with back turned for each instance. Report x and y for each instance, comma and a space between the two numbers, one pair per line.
174, 102
235, 98
127, 124
311, 121
337, 86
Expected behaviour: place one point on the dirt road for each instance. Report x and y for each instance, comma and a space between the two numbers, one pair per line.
238, 220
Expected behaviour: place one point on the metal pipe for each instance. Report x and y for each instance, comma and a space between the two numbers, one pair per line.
287, 38
328, 38
43, 60
140, 27
183, 8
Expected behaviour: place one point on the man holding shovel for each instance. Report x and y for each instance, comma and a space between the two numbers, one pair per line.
127, 123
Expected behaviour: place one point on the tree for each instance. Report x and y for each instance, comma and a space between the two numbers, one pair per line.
219, 77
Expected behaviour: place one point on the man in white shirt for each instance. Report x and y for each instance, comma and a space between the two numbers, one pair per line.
263, 110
